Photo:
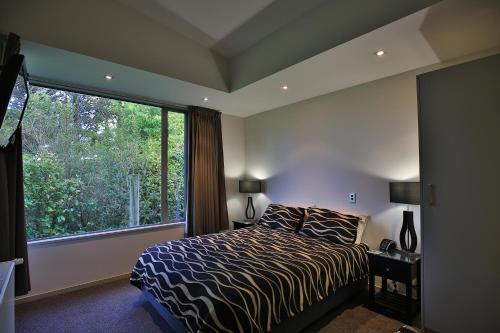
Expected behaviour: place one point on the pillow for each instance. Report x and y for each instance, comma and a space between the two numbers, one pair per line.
282, 217
362, 222
331, 225
304, 217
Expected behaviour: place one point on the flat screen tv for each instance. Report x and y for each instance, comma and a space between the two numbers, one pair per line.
14, 96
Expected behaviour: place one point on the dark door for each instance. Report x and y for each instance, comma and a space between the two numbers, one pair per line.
459, 124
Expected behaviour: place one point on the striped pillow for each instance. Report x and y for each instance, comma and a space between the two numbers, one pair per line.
282, 217
334, 226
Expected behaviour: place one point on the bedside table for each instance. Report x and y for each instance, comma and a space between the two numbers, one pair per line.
398, 266
238, 224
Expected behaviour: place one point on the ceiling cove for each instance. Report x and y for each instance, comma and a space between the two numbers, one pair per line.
221, 44
425, 37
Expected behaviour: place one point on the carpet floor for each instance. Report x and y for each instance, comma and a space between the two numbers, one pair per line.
118, 307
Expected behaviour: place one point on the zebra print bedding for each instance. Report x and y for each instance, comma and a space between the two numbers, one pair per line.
331, 225
247, 280
282, 217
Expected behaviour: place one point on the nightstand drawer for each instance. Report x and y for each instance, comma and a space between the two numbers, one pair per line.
388, 268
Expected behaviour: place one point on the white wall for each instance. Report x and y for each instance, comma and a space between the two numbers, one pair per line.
233, 137
355, 140
69, 263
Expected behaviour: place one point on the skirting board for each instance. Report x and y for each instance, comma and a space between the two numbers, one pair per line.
36, 297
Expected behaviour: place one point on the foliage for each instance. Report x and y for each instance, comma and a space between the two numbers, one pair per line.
82, 156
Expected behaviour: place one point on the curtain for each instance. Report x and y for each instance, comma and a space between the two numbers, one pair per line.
207, 206
12, 224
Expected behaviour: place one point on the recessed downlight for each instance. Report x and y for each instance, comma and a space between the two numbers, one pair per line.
108, 77
205, 99
380, 53
284, 87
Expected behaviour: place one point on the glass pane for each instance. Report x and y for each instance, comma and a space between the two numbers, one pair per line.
90, 163
14, 110
176, 171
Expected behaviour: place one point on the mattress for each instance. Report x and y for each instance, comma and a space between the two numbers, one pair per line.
246, 280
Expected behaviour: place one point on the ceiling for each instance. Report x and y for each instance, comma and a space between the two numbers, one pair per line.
216, 18
447, 30
258, 38
226, 26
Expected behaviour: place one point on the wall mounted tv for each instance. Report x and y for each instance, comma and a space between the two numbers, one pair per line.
14, 96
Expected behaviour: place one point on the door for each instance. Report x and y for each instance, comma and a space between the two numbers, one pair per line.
459, 124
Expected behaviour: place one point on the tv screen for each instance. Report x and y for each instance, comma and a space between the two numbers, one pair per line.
14, 96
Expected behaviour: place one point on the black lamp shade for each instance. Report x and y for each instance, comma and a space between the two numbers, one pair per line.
250, 186
405, 193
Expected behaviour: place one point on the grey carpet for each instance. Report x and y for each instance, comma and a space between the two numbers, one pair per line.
119, 307
361, 320
110, 308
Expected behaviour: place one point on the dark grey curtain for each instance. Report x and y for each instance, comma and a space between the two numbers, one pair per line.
207, 207
12, 225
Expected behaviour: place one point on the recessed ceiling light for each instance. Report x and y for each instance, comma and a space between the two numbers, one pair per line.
285, 87
108, 77
380, 53
205, 99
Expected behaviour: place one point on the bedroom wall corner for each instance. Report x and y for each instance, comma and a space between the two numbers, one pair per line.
233, 139
358, 139
354, 140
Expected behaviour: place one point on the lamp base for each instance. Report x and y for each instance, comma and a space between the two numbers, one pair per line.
250, 210
408, 232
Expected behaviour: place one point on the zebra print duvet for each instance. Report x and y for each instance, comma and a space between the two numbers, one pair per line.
245, 280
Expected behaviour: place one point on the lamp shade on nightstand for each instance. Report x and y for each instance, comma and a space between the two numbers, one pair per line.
250, 186
406, 193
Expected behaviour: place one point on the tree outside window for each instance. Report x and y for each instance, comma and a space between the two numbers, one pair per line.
94, 164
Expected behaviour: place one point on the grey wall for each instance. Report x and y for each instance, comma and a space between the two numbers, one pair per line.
354, 140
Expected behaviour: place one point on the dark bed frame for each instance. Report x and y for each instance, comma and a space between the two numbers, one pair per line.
296, 324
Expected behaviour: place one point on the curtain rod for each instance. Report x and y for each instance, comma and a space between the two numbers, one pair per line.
54, 84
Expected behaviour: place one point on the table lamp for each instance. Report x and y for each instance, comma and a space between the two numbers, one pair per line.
406, 193
250, 187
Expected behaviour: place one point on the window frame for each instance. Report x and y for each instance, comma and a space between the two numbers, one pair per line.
164, 109
164, 166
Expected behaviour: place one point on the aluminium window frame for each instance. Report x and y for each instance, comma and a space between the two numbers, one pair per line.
165, 108
164, 163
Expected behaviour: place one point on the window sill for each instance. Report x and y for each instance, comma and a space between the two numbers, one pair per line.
99, 234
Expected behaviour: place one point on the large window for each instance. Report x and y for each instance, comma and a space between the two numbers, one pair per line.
95, 164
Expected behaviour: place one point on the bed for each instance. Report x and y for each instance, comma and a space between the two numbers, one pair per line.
249, 280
